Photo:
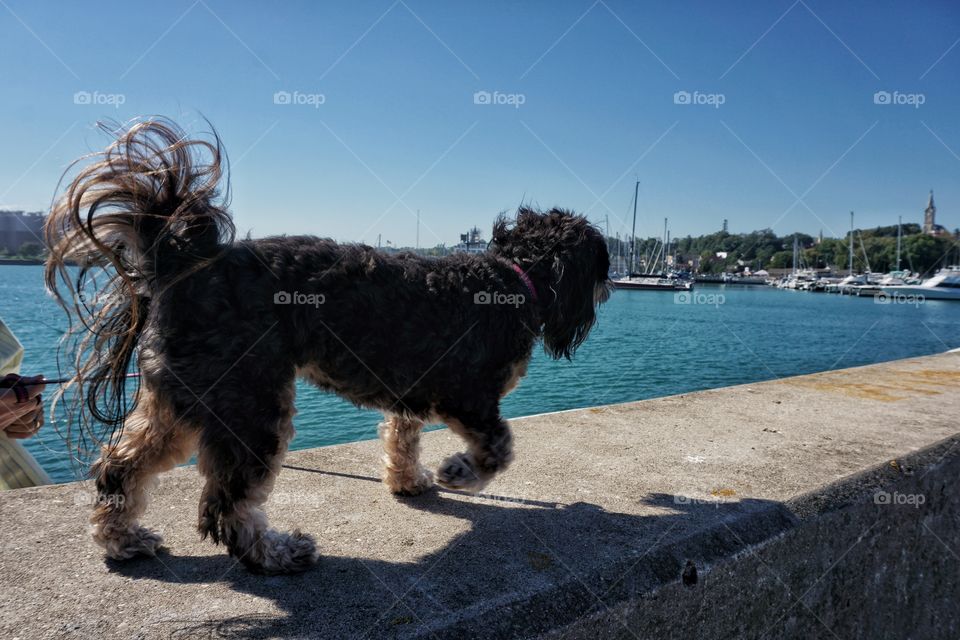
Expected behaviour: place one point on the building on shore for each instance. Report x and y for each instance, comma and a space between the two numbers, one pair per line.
471, 242
18, 228
930, 226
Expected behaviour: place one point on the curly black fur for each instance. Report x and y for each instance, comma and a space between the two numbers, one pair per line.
221, 345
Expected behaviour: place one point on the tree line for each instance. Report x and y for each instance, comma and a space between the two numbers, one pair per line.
28, 250
874, 249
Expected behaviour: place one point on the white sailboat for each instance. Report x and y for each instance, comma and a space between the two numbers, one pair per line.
649, 281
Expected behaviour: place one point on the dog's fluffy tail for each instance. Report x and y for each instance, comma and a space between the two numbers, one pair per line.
143, 214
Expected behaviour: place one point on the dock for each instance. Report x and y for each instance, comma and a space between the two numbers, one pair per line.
819, 506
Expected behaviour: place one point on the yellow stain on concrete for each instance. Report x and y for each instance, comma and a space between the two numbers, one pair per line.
891, 385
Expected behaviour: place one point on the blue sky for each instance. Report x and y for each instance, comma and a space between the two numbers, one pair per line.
797, 142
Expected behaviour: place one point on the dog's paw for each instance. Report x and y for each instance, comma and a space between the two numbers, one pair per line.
459, 471
283, 553
409, 484
124, 544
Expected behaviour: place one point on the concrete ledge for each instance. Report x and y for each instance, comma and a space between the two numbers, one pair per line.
768, 491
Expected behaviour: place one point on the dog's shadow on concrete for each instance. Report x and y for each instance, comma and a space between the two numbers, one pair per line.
559, 561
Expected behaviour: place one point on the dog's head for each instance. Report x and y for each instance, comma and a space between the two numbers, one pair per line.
566, 257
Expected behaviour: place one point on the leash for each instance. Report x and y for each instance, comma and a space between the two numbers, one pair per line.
16, 383
13, 381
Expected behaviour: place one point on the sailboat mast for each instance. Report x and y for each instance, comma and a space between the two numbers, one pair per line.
667, 252
619, 253
899, 223
633, 231
664, 244
866, 258
851, 243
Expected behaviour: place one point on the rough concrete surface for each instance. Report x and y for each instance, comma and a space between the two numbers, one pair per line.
767, 492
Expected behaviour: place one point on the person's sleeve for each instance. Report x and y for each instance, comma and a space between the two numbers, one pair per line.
18, 469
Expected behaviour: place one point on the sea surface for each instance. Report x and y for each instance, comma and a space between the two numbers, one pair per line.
646, 344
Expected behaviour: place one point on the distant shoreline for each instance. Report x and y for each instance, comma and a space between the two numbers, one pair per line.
25, 261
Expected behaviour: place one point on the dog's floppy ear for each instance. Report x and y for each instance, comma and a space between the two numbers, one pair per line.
578, 284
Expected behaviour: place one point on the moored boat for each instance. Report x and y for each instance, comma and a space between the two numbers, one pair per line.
945, 285
894, 278
652, 282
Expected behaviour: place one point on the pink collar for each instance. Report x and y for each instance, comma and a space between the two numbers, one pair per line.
526, 280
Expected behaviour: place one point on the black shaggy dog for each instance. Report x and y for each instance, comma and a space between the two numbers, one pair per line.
220, 329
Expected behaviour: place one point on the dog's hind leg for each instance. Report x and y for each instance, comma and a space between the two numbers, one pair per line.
490, 450
153, 441
241, 459
403, 473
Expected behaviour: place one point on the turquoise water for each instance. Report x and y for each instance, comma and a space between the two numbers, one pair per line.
645, 345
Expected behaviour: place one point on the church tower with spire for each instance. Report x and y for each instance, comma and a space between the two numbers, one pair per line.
930, 217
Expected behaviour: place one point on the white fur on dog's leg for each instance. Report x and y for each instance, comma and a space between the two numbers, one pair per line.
286, 552
423, 480
408, 482
135, 540
402, 472
459, 472
265, 550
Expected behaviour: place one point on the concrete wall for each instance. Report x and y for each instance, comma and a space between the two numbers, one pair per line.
873, 556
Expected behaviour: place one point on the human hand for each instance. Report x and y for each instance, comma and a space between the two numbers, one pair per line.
21, 406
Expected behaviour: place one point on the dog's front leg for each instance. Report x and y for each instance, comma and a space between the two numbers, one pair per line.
403, 473
490, 451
